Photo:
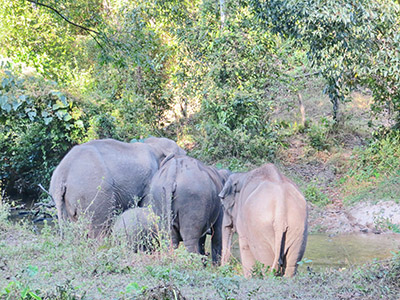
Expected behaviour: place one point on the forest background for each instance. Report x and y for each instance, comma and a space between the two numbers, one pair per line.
237, 83
312, 86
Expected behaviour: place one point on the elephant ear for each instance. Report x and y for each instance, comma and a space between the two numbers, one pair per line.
227, 195
167, 159
231, 188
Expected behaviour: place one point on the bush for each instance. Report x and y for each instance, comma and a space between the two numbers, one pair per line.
318, 135
38, 125
380, 158
314, 195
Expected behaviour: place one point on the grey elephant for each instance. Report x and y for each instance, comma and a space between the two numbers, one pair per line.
103, 177
184, 192
139, 227
269, 213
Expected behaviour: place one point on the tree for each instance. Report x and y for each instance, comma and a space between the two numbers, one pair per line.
351, 42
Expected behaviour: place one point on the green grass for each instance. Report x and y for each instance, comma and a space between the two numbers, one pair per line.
387, 188
44, 266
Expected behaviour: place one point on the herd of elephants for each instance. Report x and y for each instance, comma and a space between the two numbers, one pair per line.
122, 186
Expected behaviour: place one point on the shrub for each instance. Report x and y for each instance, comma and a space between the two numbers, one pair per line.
380, 158
315, 195
38, 125
318, 135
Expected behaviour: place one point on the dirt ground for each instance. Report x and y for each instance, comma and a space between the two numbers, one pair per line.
380, 217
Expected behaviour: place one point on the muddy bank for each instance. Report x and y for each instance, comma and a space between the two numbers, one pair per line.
380, 217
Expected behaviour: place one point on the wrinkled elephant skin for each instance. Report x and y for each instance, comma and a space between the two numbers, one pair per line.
138, 226
102, 177
270, 216
184, 192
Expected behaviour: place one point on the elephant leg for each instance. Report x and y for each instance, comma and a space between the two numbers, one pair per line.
246, 256
202, 242
192, 245
293, 255
191, 231
175, 237
216, 240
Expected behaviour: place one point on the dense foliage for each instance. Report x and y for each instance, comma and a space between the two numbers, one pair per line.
207, 73
351, 42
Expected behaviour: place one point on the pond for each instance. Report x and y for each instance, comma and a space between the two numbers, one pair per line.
344, 250
349, 250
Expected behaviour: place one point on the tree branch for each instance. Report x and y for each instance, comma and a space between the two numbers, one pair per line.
62, 16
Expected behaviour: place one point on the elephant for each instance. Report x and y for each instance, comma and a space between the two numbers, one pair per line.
139, 226
269, 213
103, 177
184, 193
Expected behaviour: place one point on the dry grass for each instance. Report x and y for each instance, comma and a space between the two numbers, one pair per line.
49, 267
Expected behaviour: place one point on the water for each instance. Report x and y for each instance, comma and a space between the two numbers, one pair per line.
343, 251
349, 250
24, 209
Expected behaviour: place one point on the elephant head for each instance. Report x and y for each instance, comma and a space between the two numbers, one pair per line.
230, 191
162, 147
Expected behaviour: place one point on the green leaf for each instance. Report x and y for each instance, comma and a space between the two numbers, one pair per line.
32, 270
57, 106
3, 100
79, 123
32, 115
62, 115
67, 117
61, 96
63, 100
24, 292
16, 104
6, 107
34, 296
22, 97
4, 82
133, 287
47, 120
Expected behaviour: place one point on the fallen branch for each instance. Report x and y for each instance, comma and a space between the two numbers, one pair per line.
306, 75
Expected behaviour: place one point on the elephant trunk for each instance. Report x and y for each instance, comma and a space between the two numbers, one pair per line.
227, 234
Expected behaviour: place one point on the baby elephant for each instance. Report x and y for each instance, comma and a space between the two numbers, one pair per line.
270, 216
139, 226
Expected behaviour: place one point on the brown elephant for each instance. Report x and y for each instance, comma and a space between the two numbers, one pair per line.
103, 177
269, 213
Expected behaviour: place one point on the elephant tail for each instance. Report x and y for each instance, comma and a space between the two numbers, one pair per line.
57, 190
58, 195
279, 263
280, 247
169, 189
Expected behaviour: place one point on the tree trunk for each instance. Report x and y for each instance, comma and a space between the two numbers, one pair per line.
302, 111
222, 9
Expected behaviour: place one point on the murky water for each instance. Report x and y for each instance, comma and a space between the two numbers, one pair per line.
25, 210
347, 250
343, 251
